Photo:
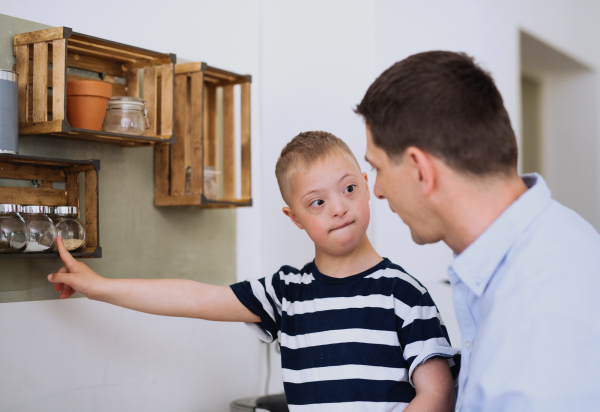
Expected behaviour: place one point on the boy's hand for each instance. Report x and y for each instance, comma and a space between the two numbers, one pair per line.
74, 276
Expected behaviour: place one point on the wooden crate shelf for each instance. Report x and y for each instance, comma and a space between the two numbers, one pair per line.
205, 125
47, 59
46, 171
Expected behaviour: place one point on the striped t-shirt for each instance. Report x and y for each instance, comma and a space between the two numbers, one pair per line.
348, 344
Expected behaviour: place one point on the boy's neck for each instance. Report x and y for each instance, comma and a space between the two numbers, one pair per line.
363, 257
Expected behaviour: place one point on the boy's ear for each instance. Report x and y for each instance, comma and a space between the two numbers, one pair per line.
367, 183
290, 213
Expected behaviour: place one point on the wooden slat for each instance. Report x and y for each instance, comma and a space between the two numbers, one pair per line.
228, 170
40, 128
31, 172
161, 170
182, 68
177, 152
196, 128
94, 64
166, 97
246, 170
73, 189
133, 84
32, 196
210, 126
22, 68
40, 82
59, 70
54, 33
82, 40
150, 97
91, 208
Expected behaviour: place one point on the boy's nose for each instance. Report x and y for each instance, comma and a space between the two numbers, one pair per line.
339, 208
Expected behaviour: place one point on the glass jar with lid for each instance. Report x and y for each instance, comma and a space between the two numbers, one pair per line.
42, 231
69, 227
13, 229
126, 114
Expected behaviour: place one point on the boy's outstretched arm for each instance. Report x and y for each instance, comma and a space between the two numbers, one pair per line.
434, 387
169, 297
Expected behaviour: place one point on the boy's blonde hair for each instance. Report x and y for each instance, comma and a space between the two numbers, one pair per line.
302, 151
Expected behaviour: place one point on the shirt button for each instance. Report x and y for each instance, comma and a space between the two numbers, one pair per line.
467, 345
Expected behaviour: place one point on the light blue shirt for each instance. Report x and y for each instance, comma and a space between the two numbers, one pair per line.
527, 298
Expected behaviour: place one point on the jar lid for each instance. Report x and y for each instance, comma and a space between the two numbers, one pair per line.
65, 210
35, 209
8, 75
8, 207
126, 103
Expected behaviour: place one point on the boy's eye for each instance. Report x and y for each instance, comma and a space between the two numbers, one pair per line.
317, 202
350, 189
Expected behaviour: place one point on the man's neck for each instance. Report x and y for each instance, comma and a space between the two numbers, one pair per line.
363, 257
475, 205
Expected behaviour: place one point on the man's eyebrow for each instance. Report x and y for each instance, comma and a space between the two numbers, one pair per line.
368, 161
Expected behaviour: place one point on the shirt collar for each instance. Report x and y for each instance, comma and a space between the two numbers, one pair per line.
476, 265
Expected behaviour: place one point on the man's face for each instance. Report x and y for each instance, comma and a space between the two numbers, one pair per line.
398, 181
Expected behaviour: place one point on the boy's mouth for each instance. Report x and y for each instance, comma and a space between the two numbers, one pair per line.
343, 225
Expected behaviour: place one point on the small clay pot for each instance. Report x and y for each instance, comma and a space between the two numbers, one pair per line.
86, 103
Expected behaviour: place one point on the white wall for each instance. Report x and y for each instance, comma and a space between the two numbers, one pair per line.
311, 63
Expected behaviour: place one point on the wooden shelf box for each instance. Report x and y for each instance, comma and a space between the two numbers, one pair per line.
46, 172
213, 134
46, 59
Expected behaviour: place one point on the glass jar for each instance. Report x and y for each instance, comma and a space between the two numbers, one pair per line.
126, 114
13, 230
69, 227
42, 231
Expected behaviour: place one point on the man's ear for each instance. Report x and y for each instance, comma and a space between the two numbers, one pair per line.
423, 167
290, 213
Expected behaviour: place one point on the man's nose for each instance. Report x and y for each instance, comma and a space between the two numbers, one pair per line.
377, 191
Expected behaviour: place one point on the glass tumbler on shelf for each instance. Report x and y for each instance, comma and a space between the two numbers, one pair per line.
13, 229
42, 231
126, 114
69, 227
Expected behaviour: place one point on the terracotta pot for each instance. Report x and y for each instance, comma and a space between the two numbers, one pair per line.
86, 103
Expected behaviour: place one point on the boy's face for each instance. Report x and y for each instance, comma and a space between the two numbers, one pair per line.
330, 200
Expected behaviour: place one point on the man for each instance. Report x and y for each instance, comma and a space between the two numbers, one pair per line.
527, 269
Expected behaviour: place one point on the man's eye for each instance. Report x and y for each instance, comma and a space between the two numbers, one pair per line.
317, 202
350, 189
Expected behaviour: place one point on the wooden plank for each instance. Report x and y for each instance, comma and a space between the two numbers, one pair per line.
196, 86
50, 126
166, 100
150, 97
177, 152
31, 172
32, 196
91, 208
40, 82
245, 142
22, 68
46, 35
182, 68
59, 71
133, 84
73, 189
94, 64
161, 170
228, 170
210, 125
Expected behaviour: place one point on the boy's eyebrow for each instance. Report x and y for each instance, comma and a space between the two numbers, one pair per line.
316, 190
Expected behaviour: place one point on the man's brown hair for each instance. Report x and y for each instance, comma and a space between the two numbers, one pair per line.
302, 151
442, 103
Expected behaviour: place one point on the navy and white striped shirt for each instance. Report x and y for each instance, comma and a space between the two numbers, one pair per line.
348, 344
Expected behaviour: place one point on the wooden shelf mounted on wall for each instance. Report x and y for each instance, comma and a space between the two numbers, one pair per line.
209, 165
47, 172
46, 59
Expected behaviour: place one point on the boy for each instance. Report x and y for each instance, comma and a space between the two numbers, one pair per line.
356, 332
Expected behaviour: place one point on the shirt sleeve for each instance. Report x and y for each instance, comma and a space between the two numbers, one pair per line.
423, 336
260, 298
